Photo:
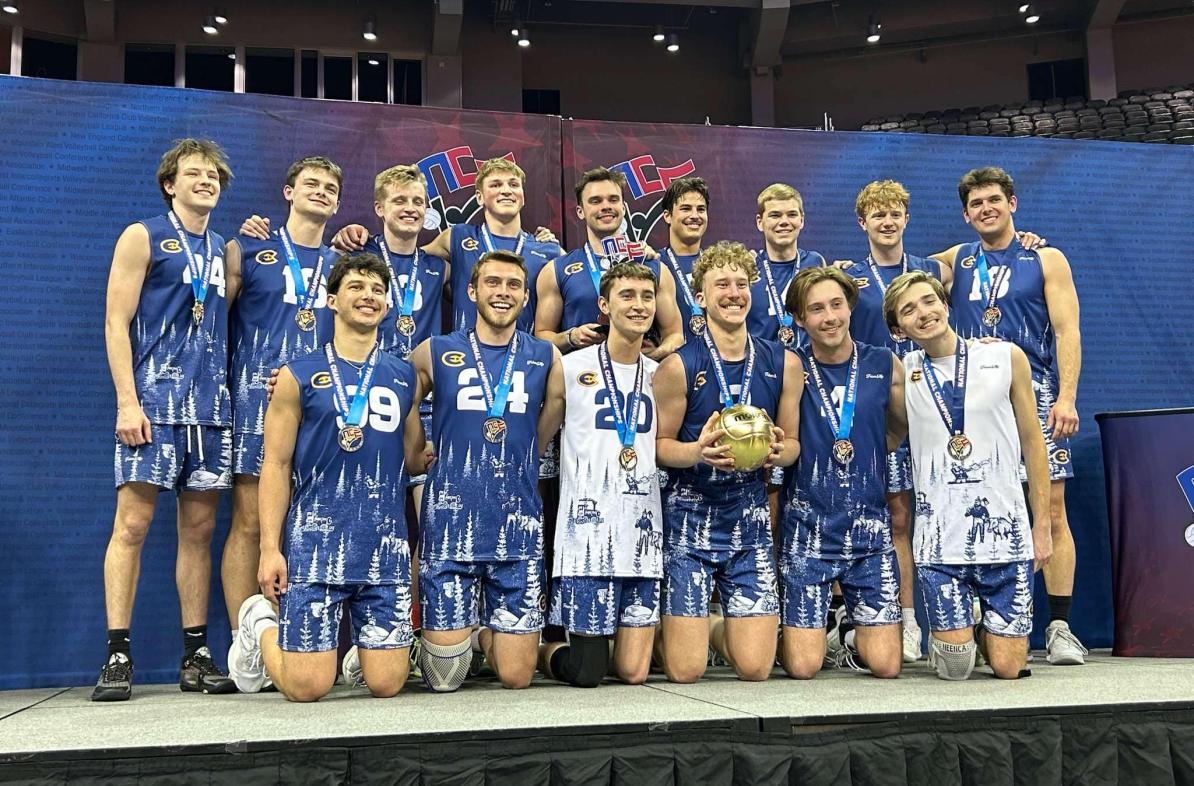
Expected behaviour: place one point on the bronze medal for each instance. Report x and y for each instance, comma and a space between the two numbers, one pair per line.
696, 323
305, 319
959, 447
843, 451
494, 430
197, 313
992, 316
351, 438
628, 458
406, 324
786, 335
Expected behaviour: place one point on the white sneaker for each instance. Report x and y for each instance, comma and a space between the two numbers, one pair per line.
912, 650
244, 656
833, 637
1063, 646
351, 668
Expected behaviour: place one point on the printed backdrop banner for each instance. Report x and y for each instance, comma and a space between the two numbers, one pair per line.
1110, 207
78, 163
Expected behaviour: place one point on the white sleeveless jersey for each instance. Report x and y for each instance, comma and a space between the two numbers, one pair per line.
610, 522
968, 511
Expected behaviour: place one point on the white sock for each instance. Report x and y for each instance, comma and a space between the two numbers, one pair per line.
474, 640
909, 616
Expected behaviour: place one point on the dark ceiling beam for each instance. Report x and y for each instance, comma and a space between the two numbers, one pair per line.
445, 35
768, 25
1103, 14
99, 17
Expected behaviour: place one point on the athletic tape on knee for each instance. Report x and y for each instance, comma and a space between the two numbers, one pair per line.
952, 661
444, 666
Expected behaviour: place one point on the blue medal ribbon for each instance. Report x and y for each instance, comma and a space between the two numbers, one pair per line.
626, 422
953, 410
487, 239
200, 272
495, 398
682, 282
595, 270
352, 412
842, 427
870, 261
989, 288
719, 371
306, 298
404, 298
777, 303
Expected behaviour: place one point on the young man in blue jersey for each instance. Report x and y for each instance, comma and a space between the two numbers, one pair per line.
780, 217
280, 313
567, 313
686, 212
608, 555
344, 425
835, 524
1001, 288
717, 524
166, 332
498, 393
971, 420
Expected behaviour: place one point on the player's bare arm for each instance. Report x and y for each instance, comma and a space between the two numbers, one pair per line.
130, 265
1036, 462
1061, 298
671, 402
282, 419
787, 420
667, 315
232, 271
551, 417
549, 311
897, 413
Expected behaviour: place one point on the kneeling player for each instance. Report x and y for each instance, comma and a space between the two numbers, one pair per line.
971, 413
836, 525
717, 521
609, 533
343, 421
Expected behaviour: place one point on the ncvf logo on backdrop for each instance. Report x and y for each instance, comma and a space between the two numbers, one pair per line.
1185, 480
645, 178
448, 172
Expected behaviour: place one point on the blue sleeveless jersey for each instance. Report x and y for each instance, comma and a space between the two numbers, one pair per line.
762, 321
429, 297
702, 493
481, 501
577, 290
347, 517
1025, 317
866, 322
685, 261
180, 369
468, 246
830, 513
265, 335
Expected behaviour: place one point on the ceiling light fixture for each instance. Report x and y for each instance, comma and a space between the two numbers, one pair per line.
673, 42
873, 29
658, 37
209, 26
1031, 16
11, 7
220, 17
370, 31
524, 37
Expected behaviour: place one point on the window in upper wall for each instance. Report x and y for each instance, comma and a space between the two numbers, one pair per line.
372, 68
541, 102
149, 64
210, 67
269, 71
309, 74
337, 78
48, 58
1057, 79
408, 82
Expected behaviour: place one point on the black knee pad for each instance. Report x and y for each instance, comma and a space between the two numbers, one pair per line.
583, 663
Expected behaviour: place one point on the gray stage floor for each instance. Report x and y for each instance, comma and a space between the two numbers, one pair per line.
61, 720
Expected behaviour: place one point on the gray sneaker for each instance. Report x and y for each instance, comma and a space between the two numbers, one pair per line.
1063, 646
351, 668
115, 680
245, 666
911, 645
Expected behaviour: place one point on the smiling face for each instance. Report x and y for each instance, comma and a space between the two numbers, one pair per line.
195, 185
725, 295
921, 313
826, 316
884, 225
500, 193
601, 207
630, 305
500, 292
989, 210
780, 222
688, 218
403, 208
360, 300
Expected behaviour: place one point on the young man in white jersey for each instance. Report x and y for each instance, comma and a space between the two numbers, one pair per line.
166, 332
1005, 286
609, 535
971, 417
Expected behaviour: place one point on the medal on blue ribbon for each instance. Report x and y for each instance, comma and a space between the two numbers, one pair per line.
352, 412
594, 268
843, 448
953, 410
625, 413
696, 320
494, 427
200, 272
305, 316
786, 333
404, 298
990, 289
719, 371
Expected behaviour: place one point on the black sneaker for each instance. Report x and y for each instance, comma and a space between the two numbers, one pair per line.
115, 680
199, 674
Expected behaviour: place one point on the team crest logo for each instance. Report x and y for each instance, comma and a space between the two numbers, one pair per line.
916, 375
862, 283
1060, 456
266, 256
469, 244
698, 381
968, 262
170, 245
321, 379
645, 178
586, 379
449, 172
574, 268
452, 358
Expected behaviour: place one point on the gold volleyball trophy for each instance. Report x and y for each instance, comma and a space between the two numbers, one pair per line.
748, 433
